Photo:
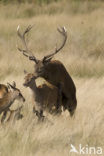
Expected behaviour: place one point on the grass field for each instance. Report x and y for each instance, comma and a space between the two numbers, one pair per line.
83, 56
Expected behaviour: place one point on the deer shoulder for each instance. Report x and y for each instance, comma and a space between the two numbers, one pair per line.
3, 90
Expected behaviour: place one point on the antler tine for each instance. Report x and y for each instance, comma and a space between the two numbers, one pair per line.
23, 51
27, 29
14, 84
63, 32
22, 37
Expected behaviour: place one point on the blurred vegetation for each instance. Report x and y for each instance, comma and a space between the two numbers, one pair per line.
40, 2
45, 1
29, 1
30, 8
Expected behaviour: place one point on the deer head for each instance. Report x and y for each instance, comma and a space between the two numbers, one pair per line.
16, 91
29, 79
40, 64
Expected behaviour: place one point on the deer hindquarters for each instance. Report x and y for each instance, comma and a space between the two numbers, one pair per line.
69, 104
72, 106
59, 98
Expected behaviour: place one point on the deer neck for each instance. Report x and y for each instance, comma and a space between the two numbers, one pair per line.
33, 86
12, 96
35, 90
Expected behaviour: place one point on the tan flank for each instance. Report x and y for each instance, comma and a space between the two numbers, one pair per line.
54, 72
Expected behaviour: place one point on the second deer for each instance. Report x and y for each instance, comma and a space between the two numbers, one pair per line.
8, 99
44, 96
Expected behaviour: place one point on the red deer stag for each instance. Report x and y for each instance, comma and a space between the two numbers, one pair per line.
44, 96
8, 100
53, 71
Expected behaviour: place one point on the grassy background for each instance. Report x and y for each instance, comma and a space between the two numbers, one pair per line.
83, 56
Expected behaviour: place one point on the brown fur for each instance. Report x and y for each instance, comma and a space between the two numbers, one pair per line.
3, 90
55, 73
8, 100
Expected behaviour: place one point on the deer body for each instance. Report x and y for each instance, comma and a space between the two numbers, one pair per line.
8, 100
44, 96
56, 74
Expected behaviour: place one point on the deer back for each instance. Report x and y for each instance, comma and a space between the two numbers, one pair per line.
48, 94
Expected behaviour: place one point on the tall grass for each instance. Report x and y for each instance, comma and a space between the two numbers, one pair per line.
32, 8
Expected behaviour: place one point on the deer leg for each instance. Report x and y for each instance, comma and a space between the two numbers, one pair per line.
64, 101
4, 116
71, 106
16, 114
59, 99
10, 116
37, 109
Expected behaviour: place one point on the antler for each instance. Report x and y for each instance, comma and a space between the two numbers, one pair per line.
63, 32
26, 52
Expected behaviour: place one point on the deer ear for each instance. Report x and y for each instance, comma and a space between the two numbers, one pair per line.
10, 86
14, 84
46, 61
